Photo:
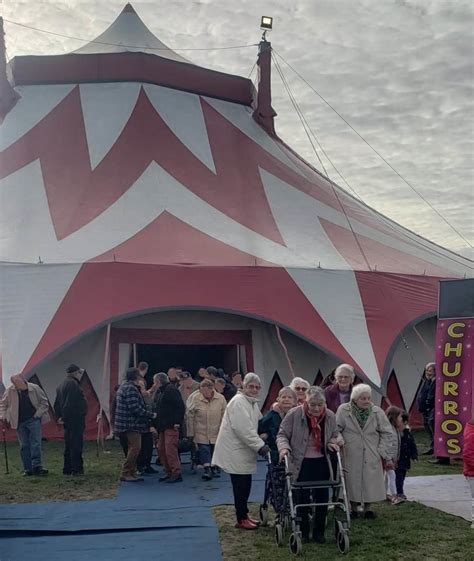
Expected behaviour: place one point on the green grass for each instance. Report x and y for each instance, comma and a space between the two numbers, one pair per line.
100, 481
405, 532
423, 466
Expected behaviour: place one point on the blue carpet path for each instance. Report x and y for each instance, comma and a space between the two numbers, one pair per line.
146, 520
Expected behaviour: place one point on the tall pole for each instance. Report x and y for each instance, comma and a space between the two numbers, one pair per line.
264, 113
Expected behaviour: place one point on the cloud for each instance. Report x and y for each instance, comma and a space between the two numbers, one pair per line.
400, 71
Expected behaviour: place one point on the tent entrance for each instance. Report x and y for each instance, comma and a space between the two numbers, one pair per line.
188, 348
189, 357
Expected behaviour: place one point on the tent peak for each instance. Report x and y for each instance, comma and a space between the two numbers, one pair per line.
128, 33
129, 9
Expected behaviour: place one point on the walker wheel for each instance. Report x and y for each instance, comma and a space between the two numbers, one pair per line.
295, 544
278, 534
343, 542
338, 528
263, 514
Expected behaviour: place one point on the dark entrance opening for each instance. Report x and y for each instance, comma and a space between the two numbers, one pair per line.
189, 357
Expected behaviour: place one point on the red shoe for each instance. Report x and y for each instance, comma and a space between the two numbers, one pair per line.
256, 522
246, 525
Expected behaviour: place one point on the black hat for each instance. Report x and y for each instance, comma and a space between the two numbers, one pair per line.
72, 368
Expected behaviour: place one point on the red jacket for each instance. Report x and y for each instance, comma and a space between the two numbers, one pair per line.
468, 451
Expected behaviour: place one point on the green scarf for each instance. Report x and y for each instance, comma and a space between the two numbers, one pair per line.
361, 414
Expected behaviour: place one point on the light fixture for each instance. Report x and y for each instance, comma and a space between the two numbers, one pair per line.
266, 23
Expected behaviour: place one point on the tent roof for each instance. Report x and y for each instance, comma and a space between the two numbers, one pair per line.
129, 34
125, 188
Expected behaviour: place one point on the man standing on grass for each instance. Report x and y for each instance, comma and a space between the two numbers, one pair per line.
24, 407
132, 419
170, 409
70, 407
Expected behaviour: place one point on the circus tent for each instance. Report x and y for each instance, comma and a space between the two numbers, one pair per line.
147, 200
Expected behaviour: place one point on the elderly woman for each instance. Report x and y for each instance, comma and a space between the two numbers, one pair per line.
307, 434
204, 417
300, 386
340, 391
269, 425
426, 402
238, 444
367, 435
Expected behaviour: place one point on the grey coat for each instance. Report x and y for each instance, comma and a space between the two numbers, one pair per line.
294, 435
363, 453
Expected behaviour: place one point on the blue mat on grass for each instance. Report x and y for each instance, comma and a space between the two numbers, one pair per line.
169, 522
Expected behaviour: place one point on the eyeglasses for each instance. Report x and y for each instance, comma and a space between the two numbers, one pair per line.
253, 387
301, 389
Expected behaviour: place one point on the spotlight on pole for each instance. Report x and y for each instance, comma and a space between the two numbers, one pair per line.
266, 23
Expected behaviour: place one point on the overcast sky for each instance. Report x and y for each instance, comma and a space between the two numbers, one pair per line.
400, 71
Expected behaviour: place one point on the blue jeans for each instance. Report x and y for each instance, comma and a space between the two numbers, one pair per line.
29, 436
205, 453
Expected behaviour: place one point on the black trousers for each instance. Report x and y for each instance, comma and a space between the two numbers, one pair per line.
73, 445
428, 422
313, 469
241, 486
146, 451
400, 475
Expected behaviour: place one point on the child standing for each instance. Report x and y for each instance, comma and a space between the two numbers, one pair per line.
468, 460
394, 415
408, 452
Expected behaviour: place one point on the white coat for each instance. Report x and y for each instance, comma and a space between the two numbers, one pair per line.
237, 443
364, 450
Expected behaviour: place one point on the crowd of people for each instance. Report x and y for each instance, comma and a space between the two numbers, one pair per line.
217, 417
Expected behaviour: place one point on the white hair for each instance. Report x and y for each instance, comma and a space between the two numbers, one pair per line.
289, 391
345, 368
430, 364
359, 390
299, 381
316, 393
249, 378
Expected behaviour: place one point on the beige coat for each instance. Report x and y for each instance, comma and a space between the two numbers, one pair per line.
9, 404
363, 453
237, 443
294, 435
204, 417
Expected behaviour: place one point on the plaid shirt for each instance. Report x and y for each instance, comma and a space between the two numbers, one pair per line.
131, 413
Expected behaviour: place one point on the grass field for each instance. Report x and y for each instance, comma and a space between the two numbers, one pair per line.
405, 532
100, 481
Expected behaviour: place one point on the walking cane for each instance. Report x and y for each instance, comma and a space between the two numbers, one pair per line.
7, 471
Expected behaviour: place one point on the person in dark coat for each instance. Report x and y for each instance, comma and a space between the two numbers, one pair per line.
408, 452
70, 407
170, 410
426, 402
229, 389
269, 424
340, 392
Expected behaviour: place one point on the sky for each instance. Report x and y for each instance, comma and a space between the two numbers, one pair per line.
400, 71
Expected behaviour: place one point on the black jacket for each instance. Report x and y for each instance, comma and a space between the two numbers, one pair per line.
169, 407
70, 404
426, 397
408, 450
229, 391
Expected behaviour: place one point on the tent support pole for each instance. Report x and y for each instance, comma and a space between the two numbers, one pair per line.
285, 350
100, 427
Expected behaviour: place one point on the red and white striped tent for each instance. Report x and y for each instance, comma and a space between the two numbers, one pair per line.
145, 199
